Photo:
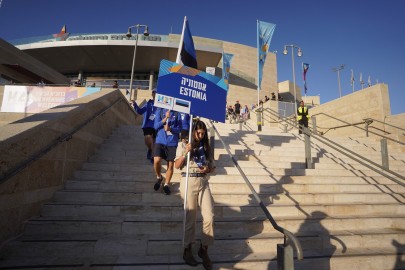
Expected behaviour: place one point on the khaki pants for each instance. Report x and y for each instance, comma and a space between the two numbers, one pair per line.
199, 194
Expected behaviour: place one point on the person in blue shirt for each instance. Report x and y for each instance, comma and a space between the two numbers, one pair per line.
185, 125
149, 112
167, 126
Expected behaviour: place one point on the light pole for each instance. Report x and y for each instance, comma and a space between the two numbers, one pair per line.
129, 34
338, 69
299, 54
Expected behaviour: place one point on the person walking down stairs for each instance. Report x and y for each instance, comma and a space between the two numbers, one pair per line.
198, 193
149, 112
168, 126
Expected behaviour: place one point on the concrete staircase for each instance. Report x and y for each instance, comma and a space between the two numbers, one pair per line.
109, 217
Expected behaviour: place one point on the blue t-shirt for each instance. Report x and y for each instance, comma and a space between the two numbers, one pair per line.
168, 138
149, 113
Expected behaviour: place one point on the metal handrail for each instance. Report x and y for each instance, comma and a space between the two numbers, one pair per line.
358, 158
64, 137
349, 124
387, 124
288, 236
337, 127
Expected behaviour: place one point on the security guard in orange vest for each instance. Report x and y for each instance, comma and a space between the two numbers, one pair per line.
302, 116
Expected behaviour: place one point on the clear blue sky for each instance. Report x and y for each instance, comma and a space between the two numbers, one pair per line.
367, 36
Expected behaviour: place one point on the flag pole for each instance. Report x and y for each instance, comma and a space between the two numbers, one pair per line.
178, 61
178, 58
258, 65
187, 175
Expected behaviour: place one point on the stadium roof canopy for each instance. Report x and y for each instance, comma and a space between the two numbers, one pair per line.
106, 53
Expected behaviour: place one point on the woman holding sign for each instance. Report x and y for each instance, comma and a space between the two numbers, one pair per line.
199, 193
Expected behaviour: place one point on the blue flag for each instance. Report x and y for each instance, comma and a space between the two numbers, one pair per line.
226, 66
188, 56
264, 34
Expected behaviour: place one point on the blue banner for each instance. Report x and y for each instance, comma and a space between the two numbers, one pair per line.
191, 91
226, 66
264, 34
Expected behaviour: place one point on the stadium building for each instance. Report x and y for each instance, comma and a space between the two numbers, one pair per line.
103, 58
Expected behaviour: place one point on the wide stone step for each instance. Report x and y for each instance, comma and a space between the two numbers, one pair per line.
377, 259
230, 226
219, 157
238, 199
127, 168
131, 163
145, 186
163, 245
330, 165
121, 152
162, 212
393, 164
340, 241
261, 179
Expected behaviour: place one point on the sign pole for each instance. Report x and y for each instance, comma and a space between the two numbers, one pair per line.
186, 187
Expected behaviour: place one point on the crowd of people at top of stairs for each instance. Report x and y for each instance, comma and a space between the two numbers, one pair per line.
237, 112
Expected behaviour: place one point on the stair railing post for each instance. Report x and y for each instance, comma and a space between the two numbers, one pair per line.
314, 129
212, 140
384, 153
262, 113
308, 159
285, 257
259, 119
367, 121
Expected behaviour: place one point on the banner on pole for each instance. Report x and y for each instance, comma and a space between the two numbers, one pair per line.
265, 32
226, 66
191, 91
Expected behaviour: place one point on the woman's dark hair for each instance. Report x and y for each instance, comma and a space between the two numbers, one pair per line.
198, 124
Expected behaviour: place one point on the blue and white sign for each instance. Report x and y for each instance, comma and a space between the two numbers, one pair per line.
191, 91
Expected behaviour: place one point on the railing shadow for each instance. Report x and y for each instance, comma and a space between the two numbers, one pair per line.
317, 239
399, 261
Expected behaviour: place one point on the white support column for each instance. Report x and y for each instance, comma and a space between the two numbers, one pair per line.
151, 79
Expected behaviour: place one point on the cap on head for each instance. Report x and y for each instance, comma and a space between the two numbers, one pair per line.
154, 90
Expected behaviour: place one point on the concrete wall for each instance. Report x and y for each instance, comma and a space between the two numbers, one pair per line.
22, 195
398, 121
312, 100
21, 67
286, 90
371, 102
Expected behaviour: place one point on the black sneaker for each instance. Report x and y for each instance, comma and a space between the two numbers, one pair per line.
158, 183
166, 189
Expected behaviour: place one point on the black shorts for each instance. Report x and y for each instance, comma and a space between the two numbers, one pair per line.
168, 153
149, 131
